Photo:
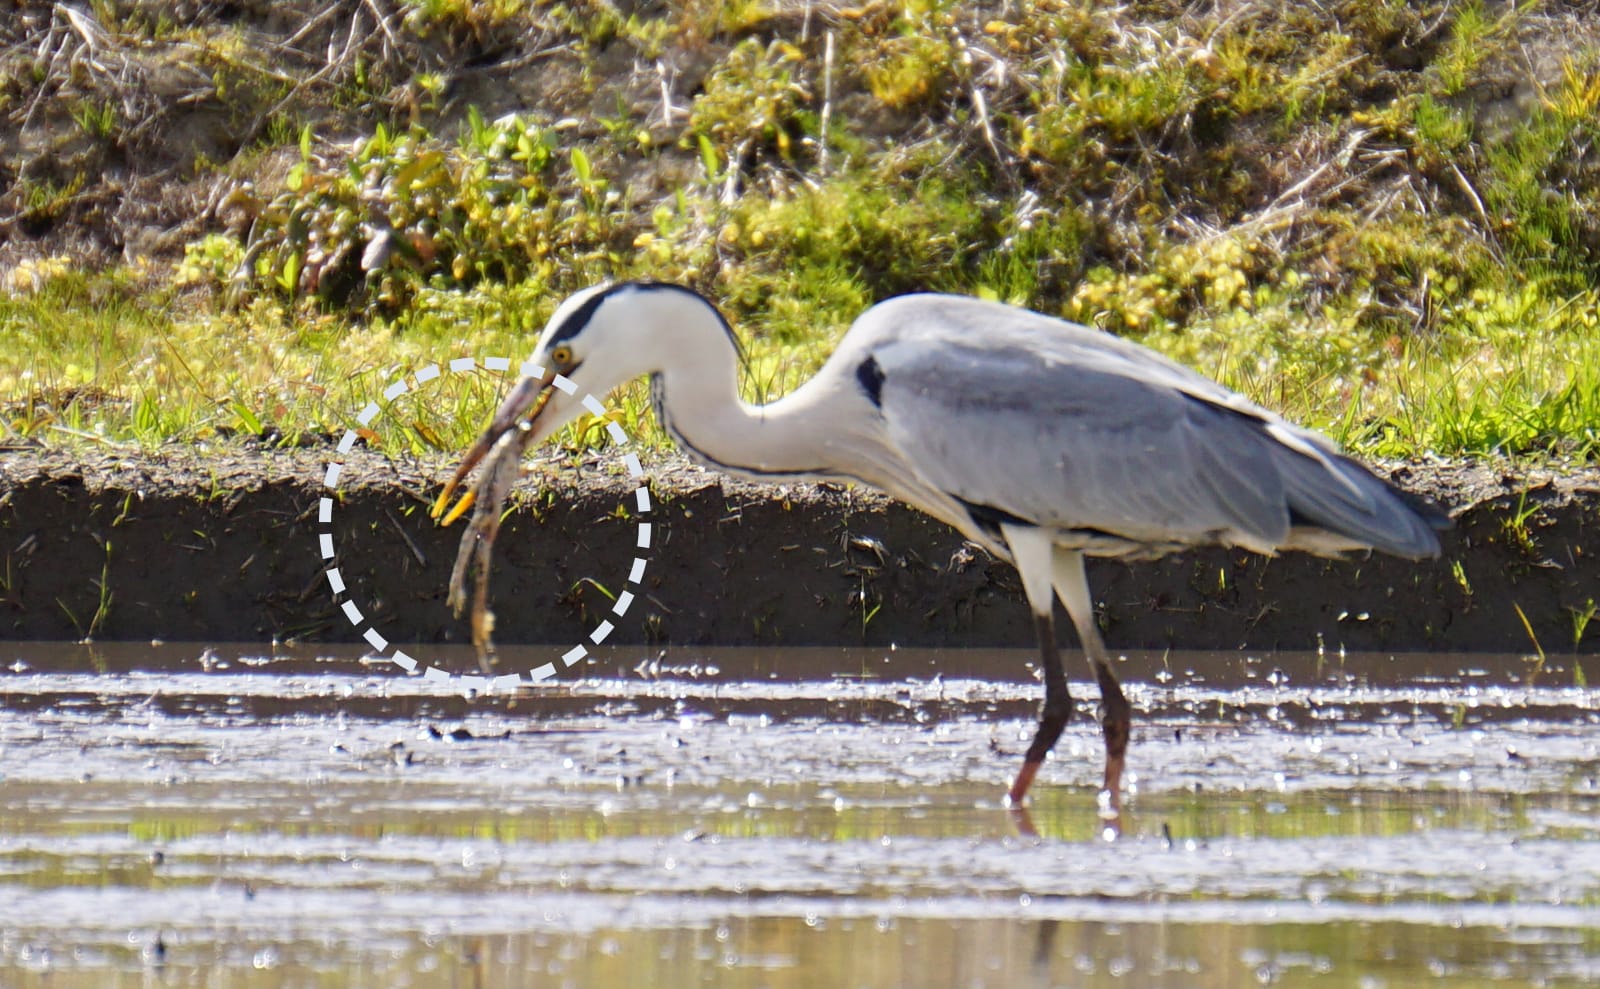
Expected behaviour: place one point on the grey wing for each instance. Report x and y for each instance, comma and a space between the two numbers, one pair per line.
1094, 448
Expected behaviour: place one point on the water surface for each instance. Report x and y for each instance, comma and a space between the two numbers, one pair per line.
232, 817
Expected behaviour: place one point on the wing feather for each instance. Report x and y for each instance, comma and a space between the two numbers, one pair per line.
1079, 430
1078, 448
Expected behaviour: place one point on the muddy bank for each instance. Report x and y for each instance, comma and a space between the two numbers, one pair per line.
226, 546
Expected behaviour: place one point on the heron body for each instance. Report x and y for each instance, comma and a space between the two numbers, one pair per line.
1038, 439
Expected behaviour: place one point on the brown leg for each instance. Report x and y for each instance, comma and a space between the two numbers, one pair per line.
1116, 717
1052, 716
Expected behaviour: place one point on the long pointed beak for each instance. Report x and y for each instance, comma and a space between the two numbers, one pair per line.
520, 409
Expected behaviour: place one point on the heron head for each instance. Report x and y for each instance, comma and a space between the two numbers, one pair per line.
595, 341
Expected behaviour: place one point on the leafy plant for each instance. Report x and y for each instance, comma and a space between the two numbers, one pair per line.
409, 210
753, 104
97, 118
1581, 617
1327, 206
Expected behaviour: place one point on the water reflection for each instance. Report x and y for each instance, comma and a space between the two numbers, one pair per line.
791, 953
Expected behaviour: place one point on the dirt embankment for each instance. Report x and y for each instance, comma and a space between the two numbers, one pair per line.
225, 546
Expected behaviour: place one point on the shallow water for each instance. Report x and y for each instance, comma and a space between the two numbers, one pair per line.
218, 817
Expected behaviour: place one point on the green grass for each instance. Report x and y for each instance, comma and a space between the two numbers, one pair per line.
1318, 204
1518, 377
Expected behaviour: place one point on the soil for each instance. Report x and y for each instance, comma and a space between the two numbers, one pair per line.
222, 545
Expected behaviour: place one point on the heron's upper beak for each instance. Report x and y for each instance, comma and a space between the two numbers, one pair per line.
520, 409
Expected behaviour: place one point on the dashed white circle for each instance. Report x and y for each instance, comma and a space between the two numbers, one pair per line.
375, 638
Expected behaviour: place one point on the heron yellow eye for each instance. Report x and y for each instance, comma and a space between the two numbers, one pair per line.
561, 356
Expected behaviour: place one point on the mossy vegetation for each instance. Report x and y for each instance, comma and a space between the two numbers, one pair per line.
1381, 218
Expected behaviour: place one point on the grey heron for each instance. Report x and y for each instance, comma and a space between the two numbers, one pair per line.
1040, 440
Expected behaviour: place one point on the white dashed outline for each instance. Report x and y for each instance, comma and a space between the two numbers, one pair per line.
375, 638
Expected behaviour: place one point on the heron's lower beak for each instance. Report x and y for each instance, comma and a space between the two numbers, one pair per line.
520, 409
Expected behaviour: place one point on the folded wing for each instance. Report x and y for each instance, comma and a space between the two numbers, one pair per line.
1108, 443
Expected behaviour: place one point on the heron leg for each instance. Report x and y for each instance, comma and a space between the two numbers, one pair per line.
1116, 714
1053, 715
1031, 550
1116, 722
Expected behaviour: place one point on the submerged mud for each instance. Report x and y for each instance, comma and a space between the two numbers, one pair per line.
225, 546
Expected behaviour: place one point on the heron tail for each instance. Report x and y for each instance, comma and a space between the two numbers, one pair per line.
1336, 494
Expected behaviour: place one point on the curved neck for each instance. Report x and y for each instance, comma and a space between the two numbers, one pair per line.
702, 411
826, 428
820, 429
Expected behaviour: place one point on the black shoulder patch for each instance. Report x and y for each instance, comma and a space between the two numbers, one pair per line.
871, 377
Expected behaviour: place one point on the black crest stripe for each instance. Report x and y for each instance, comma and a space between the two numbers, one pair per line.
579, 318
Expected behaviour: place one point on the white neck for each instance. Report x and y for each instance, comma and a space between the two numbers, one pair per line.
698, 404
828, 427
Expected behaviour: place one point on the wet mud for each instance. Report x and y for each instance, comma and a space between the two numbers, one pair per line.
224, 546
238, 817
